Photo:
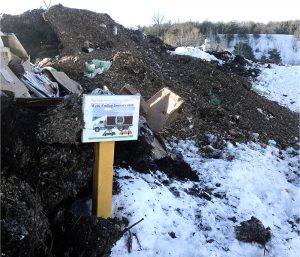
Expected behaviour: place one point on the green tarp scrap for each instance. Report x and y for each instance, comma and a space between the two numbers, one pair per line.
214, 99
96, 67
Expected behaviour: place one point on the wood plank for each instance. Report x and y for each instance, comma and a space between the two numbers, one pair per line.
103, 179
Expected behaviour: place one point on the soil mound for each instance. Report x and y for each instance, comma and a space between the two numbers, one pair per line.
218, 99
36, 36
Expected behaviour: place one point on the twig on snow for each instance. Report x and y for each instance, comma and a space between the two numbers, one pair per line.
127, 229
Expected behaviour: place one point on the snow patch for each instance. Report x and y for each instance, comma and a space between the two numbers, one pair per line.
195, 52
280, 84
258, 181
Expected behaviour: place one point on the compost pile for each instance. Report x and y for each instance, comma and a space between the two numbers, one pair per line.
44, 165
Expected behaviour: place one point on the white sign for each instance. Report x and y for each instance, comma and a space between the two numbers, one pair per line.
110, 118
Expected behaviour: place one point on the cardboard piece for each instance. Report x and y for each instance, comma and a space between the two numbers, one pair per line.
5, 55
10, 84
12, 42
164, 108
161, 109
67, 83
130, 90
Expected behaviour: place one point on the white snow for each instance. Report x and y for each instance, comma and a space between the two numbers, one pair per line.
280, 84
195, 52
260, 182
287, 45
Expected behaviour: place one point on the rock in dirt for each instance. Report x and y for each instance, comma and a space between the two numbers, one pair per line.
253, 231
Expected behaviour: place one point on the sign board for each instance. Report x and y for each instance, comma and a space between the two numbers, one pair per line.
110, 118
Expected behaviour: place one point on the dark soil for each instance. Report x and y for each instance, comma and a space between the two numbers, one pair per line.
253, 231
84, 235
57, 171
62, 124
237, 117
177, 169
139, 156
44, 165
24, 225
235, 64
148, 68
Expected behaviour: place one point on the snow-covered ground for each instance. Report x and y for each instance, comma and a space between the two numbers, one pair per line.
287, 45
280, 84
260, 182
184, 218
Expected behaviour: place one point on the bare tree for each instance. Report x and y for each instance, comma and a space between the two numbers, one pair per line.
47, 5
158, 18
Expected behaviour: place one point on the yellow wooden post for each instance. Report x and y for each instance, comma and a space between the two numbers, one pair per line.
103, 179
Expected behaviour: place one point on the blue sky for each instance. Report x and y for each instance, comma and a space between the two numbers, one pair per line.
140, 12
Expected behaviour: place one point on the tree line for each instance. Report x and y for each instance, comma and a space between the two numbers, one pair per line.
195, 32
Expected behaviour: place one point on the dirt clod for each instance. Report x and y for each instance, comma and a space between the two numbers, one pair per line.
253, 231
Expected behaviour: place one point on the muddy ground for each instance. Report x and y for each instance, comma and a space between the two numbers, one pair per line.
44, 165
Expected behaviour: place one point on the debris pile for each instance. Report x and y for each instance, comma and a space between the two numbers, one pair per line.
37, 82
41, 149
